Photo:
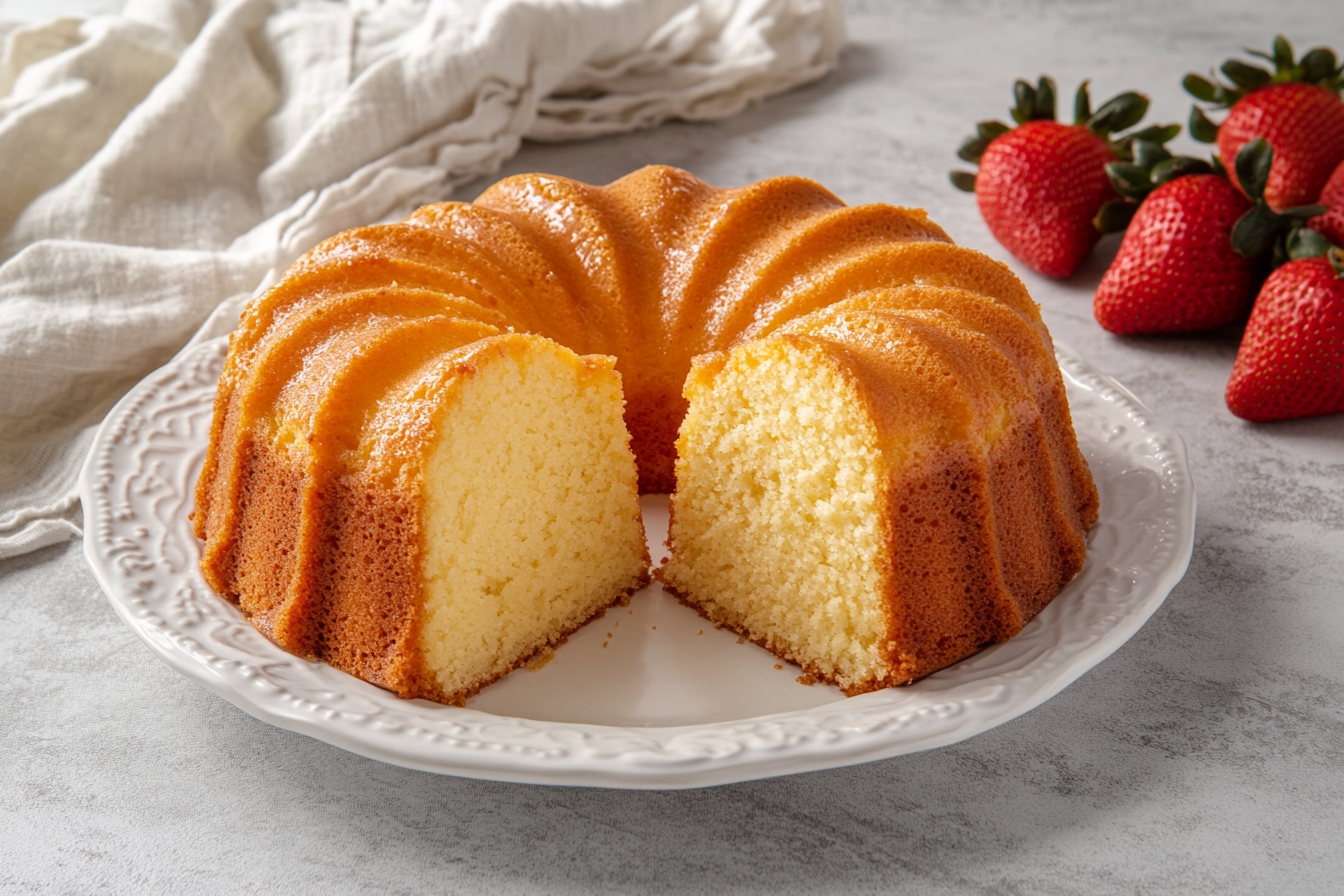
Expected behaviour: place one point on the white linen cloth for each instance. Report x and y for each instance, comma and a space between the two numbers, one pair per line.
169, 162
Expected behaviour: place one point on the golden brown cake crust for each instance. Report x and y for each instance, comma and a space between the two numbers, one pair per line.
979, 532
321, 549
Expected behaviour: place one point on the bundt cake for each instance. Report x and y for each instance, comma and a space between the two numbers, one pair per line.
430, 437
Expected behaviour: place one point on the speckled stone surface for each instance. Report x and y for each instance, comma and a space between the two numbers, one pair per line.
1206, 756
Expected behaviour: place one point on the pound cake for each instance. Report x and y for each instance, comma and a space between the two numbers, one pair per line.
430, 437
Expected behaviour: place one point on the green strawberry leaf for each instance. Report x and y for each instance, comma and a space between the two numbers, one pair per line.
1247, 77
1082, 105
963, 180
1303, 242
1114, 216
972, 149
1252, 164
1118, 113
1201, 129
1147, 154
1044, 107
1157, 133
1179, 166
1304, 211
1210, 91
1255, 232
1129, 180
1024, 101
1283, 53
1318, 66
1200, 88
988, 130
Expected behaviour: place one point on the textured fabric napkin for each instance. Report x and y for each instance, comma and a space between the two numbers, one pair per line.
159, 167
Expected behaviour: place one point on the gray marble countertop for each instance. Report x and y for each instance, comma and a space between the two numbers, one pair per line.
1205, 756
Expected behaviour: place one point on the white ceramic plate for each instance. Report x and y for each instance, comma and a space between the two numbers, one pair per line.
649, 696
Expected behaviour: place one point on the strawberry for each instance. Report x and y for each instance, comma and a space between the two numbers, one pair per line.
1151, 166
1330, 224
1291, 360
1194, 245
1296, 108
1038, 189
1176, 271
1041, 184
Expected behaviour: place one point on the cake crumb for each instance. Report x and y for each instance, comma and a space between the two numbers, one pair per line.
655, 628
778, 666
665, 559
604, 644
807, 679
741, 639
608, 634
701, 632
540, 658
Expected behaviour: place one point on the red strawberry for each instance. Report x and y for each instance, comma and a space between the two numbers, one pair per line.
1176, 271
1331, 224
1194, 244
1296, 108
1041, 184
1291, 361
1305, 125
1039, 188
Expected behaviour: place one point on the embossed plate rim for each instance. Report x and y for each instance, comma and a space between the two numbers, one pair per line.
133, 566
